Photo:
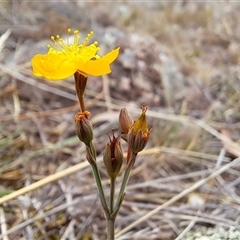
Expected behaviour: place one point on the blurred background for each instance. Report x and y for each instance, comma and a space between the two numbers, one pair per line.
179, 58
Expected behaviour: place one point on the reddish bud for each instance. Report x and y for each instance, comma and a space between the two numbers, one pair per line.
138, 136
137, 142
113, 157
84, 128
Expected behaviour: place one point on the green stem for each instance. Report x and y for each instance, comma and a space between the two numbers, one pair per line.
112, 192
111, 229
126, 176
98, 181
92, 150
100, 189
122, 189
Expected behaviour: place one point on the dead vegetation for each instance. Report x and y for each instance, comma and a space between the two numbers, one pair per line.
182, 60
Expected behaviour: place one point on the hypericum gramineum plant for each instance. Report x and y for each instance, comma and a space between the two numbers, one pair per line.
81, 60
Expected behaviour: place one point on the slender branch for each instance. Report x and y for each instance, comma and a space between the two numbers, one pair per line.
131, 161
100, 189
123, 186
98, 180
112, 193
122, 189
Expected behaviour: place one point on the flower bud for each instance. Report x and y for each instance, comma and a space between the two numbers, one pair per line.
125, 121
113, 157
137, 142
84, 128
138, 136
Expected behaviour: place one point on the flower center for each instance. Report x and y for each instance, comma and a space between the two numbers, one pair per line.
74, 50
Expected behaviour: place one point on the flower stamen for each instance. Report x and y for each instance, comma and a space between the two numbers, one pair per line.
68, 35
87, 38
55, 43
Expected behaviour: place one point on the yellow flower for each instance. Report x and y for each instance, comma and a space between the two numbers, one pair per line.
66, 59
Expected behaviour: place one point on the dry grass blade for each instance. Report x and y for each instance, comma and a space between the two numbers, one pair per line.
3, 39
3, 224
44, 181
180, 195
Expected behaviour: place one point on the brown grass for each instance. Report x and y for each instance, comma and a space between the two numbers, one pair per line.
181, 59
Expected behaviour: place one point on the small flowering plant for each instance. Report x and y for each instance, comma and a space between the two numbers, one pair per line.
80, 60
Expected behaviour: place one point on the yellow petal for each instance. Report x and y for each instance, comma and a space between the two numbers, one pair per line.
100, 66
88, 52
52, 66
111, 56
97, 67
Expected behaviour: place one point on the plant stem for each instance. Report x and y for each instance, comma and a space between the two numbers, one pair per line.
111, 229
100, 189
92, 150
98, 181
80, 85
82, 104
126, 176
112, 193
122, 189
